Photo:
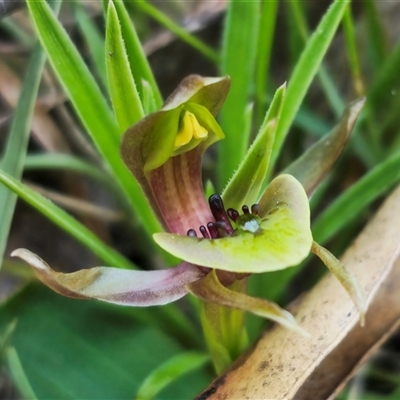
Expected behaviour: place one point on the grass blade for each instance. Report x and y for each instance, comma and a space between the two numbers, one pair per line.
170, 371
238, 61
264, 47
181, 33
354, 201
94, 41
66, 222
139, 65
17, 142
124, 95
305, 70
89, 104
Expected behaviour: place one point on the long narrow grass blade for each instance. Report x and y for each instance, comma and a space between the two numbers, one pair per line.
169, 371
66, 222
180, 32
313, 165
264, 47
18, 374
354, 201
139, 65
17, 142
352, 54
246, 183
377, 40
89, 104
124, 95
94, 41
306, 69
238, 61
66, 162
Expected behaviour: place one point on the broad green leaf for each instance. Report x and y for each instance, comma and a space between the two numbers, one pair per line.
312, 166
124, 95
66, 222
89, 104
245, 185
305, 70
278, 238
88, 349
238, 61
139, 65
169, 371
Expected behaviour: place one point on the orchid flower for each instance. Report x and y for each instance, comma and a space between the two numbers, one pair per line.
220, 246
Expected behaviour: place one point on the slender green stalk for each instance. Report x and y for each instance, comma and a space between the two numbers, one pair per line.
181, 33
305, 70
125, 98
94, 41
352, 53
263, 58
238, 61
141, 71
328, 85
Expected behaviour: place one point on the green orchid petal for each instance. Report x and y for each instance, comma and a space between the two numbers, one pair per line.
281, 239
245, 184
345, 277
211, 290
316, 162
164, 171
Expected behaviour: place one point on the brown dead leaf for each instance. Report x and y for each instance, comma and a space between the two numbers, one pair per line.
285, 365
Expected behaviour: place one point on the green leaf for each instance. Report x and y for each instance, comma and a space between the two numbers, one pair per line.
354, 201
89, 104
124, 95
352, 53
55, 161
312, 166
177, 30
66, 222
138, 62
305, 70
169, 371
238, 61
17, 142
93, 39
18, 374
263, 58
245, 185
89, 350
